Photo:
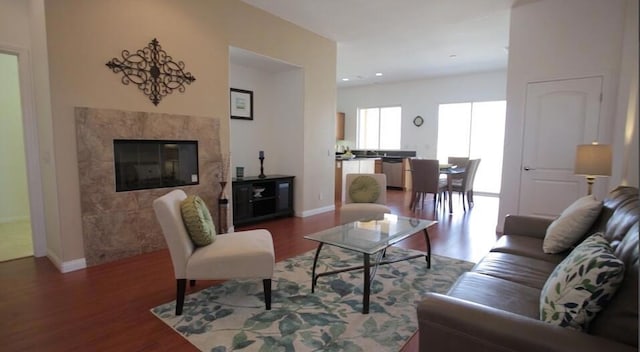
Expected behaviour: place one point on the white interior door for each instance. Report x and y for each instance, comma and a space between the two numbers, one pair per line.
559, 115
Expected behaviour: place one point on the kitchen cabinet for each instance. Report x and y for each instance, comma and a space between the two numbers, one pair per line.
352, 166
340, 126
406, 175
256, 199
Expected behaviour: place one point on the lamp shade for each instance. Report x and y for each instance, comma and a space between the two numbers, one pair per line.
593, 160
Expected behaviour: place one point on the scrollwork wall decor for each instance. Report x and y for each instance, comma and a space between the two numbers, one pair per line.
152, 70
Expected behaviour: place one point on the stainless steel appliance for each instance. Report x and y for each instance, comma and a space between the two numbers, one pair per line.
392, 167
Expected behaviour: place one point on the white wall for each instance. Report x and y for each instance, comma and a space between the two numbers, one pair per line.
276, 127
552, 40
22, 33
82, 35
625, 132
420, 98
14, 204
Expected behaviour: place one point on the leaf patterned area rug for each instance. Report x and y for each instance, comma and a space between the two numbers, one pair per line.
231, 316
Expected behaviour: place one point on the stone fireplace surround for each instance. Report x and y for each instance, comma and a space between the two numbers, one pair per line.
117, 225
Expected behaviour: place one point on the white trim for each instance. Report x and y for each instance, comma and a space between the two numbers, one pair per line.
73, 265
32, 149
13, 219
65, 267
316, 211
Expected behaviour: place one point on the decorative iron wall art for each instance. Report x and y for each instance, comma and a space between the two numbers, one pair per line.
152, 70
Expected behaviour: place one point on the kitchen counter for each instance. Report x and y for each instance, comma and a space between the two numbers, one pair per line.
359, 158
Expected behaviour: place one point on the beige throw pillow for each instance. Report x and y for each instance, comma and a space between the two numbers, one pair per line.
572, 224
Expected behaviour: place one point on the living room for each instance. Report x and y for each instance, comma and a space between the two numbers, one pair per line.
68, 53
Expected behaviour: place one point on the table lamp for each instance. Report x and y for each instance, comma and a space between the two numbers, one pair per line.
593, 160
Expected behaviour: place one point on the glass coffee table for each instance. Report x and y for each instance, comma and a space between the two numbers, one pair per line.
371, 238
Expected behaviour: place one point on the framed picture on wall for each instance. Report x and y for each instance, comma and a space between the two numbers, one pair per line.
241, 104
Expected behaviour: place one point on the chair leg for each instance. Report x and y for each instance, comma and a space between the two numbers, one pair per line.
266, 283
182, 285
463, 206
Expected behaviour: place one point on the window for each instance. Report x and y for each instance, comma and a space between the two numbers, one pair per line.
474, 130
379, 128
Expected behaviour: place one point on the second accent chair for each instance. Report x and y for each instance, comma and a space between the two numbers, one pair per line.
238, 255
464, 186
365, 198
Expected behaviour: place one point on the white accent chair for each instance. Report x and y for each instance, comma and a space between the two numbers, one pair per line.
238, 255
351, 211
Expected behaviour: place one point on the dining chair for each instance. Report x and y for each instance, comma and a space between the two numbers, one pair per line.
365, 198
464, 186
425, 178
459, 161
237, 255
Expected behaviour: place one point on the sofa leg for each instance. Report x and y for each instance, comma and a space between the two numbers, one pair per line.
182, 286
266, 283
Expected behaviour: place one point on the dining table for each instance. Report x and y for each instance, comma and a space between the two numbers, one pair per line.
451, 170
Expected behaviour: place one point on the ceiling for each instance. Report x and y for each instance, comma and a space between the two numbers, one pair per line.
404, 39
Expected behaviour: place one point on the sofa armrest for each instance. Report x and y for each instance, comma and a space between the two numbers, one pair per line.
521, 225
451, 324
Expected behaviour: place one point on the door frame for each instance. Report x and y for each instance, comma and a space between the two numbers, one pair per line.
524, 128
31, 148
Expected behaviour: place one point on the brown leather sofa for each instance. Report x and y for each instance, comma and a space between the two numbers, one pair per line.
495, 306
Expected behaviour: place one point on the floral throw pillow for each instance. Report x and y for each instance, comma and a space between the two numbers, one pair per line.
581, 285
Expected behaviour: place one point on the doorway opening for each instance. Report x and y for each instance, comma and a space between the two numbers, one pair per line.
16, 240
475, 130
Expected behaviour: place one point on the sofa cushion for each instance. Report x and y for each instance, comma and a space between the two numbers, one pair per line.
581, 285
497, 293
198, 221
619, 321
530, 272
526, 246
572, 224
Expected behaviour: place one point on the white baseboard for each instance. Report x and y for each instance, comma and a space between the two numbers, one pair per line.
316, 211
14, 219
65, 267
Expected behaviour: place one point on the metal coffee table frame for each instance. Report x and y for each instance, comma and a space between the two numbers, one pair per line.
371, 238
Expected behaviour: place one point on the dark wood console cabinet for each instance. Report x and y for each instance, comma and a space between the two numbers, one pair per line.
252, 205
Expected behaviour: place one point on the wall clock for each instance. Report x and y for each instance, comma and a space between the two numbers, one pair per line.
418, 121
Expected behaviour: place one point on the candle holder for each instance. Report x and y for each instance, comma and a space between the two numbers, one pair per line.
262, 175
223, 202
223, 209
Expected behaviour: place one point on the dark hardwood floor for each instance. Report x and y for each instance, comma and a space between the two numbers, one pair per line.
106, 307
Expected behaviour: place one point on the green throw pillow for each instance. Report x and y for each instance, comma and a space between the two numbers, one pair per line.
364, 189
198, 221
581, 285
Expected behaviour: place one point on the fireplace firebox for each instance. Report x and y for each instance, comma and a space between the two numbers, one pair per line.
145, 164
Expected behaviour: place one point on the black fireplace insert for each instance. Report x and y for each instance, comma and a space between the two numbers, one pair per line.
145, 164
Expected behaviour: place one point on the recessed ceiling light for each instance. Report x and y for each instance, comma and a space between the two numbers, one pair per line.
345, 79
378, 74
